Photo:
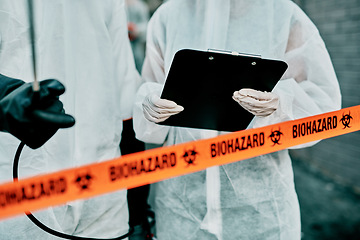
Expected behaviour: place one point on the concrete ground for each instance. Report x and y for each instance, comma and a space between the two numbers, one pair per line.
329, 211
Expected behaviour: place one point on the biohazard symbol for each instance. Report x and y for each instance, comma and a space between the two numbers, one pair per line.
345, 120
83, 181
275, 136
190, 157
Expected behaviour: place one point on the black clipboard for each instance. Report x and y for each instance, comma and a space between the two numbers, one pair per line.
203, 82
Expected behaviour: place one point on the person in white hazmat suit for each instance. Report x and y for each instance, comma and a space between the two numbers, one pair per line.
83, 44
254, 198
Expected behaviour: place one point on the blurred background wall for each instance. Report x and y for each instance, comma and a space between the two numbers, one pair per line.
327, 175
339, 24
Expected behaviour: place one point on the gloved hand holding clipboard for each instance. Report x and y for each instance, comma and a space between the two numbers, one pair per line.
203, 82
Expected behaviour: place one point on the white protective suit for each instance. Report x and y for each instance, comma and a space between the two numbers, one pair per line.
83, 44
252, 199
138, 14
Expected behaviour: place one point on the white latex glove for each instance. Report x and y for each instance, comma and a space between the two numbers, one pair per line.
158, 110
257, 102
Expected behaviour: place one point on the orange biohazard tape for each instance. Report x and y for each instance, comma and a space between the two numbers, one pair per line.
162, 163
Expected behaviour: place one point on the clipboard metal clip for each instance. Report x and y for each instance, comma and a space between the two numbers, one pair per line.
234, 53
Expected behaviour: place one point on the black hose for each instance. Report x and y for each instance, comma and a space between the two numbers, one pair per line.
40, 224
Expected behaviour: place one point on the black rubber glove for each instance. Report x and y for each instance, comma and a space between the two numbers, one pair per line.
32, 117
